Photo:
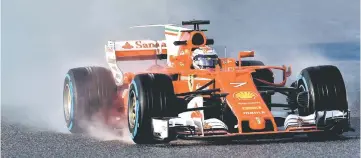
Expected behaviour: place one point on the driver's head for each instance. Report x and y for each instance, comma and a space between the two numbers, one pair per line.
204, 58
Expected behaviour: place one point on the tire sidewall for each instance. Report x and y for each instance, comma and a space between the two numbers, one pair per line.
153, 96
142, 126
134, 90
72, 89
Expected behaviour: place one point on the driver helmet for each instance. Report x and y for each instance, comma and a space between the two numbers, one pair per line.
204, 58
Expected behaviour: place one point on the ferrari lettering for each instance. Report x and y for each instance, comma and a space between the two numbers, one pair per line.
139, 44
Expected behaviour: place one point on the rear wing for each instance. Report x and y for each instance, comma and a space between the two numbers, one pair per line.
137, 49
132, 50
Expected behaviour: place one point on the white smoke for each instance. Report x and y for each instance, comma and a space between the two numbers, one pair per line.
97, 129
44, 39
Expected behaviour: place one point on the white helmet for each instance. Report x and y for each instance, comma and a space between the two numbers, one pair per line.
204, 58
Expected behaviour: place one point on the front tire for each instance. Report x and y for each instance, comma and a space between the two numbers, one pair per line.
326, 91
150, 95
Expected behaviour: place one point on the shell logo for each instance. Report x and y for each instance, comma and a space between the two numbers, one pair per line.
127, 46
245, 95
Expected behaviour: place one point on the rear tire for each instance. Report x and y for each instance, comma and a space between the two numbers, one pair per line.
87, 92
150, 95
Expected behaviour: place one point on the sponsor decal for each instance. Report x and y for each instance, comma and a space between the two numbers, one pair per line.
171, 31
183, 52
186, 51
127, 46
109, 49
207, 126
205, 50
112, 60
300, 121
125, 93
199, 86
253, 112
113, 67
191, 82
143, 45
196, 114
140, 44
258, 120
249, 103
245, 95
238, 84
252, 108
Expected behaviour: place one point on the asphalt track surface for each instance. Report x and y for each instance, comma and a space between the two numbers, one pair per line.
21, 141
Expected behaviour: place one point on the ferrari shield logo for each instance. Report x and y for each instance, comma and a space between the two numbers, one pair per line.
207, 126
258, 120
191, 82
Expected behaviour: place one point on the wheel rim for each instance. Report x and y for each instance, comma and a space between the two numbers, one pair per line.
132, 110
67, 102
302, 87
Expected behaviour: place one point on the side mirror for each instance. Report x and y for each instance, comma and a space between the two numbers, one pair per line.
245, 54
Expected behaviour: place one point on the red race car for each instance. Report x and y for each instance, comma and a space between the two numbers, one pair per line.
199, 95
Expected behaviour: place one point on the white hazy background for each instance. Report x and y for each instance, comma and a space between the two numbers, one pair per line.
43, 39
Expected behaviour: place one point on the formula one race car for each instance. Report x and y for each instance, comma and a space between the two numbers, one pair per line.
199, 95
